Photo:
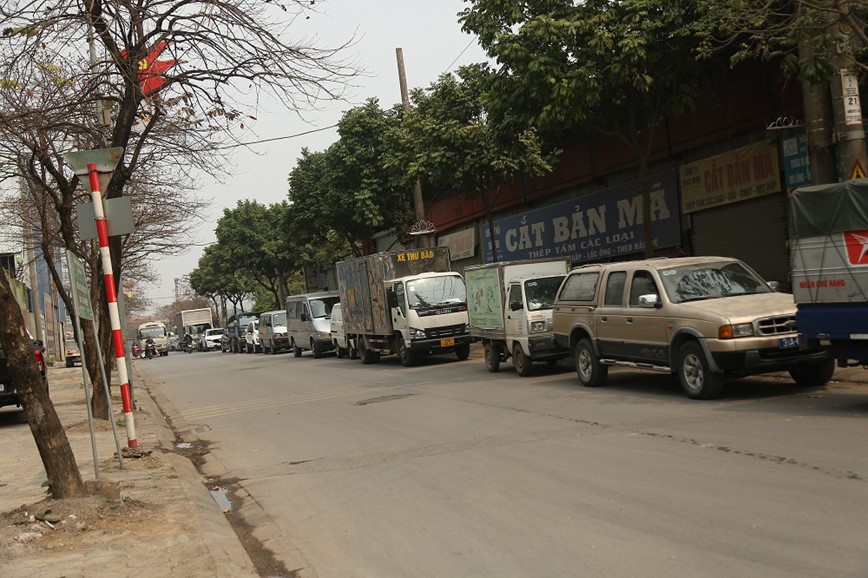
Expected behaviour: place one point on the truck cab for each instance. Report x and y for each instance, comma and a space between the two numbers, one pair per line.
429, 315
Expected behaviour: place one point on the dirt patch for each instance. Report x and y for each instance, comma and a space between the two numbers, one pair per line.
80, 522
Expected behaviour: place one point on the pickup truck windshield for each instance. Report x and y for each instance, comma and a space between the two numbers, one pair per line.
540, 293
711, 281
436, 292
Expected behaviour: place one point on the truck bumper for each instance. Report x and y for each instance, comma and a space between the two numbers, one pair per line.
839, 328
438, 346
764, 360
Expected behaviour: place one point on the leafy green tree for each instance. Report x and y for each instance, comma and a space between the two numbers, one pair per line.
256, 239
450, 142
346, 188
602, 66
217, 278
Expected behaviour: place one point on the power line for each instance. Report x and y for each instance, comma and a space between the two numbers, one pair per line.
265, 140
448, 68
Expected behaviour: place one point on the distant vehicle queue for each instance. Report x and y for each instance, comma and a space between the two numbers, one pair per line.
704, 320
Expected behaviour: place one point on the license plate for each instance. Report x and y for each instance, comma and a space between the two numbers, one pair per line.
448, 342
788, 342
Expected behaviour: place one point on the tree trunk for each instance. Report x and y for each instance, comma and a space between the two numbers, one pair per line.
57, 458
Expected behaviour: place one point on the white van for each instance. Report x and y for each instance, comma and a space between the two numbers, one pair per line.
272, 331
341, 344
308, 322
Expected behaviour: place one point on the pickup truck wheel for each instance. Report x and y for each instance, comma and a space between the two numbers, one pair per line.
296, 350
404, 354
492, 358
462, 351
697, 380
813, 374
591, 372
522, 363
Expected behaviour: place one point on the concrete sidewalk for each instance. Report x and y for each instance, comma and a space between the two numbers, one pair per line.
163, 523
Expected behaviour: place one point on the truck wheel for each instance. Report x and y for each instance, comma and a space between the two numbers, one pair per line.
314, 346
591, 372
366, 354
492, 358
462, 351
522, 363
353, 352
404, 354
813, 374
697, 380
339, 351
296, 350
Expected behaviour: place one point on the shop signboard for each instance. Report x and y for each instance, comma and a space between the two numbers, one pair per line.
597, 226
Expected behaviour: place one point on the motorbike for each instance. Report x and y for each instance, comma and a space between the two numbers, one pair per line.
136, 350
187, 345
150, 350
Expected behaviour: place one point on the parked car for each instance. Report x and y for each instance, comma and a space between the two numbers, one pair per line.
343, 346
272, 331
252, 344
209, 340
8, 390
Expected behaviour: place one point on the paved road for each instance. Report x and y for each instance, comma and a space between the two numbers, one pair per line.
448, 470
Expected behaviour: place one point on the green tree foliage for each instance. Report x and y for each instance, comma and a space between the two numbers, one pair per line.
450, 142
611, 67
346, 189
807, 36
257, 241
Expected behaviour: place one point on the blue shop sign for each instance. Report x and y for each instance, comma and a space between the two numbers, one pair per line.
797, 165
594, 227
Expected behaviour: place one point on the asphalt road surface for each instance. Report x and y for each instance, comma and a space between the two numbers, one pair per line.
447, 470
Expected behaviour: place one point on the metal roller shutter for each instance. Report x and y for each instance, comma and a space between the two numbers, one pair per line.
754, 231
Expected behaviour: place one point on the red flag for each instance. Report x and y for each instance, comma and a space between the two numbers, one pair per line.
151, 70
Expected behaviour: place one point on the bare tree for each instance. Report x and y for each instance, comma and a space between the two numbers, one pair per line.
170, 82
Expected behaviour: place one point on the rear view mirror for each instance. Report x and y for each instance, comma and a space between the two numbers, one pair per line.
650, 301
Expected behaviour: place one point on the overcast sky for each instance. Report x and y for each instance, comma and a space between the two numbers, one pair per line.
432, 42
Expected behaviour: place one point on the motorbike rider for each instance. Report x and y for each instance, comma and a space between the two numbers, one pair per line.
188, 342
150, 347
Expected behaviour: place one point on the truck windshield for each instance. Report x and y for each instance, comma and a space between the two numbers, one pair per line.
436, 292
320, 308
711, 281
540, 293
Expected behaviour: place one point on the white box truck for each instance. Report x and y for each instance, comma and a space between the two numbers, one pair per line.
405, 302
194, 322
510, 310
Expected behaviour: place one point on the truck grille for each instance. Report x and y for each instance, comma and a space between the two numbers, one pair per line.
441, 332
776, 325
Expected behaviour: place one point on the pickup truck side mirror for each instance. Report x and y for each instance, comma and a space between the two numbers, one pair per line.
774, 285
650, 301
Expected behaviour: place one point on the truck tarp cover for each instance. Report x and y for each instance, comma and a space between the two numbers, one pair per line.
826, 209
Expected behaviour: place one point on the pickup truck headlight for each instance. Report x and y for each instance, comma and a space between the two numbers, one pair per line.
417, 334
738, 330
537, 326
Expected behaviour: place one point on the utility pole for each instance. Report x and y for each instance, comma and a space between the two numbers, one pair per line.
418, 201
848, 133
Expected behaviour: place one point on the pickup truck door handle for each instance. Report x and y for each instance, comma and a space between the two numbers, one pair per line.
629, 321
604, 318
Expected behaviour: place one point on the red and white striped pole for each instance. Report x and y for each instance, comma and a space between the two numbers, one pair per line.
111, 294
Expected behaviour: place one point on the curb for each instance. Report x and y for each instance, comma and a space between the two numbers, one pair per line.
217, 534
